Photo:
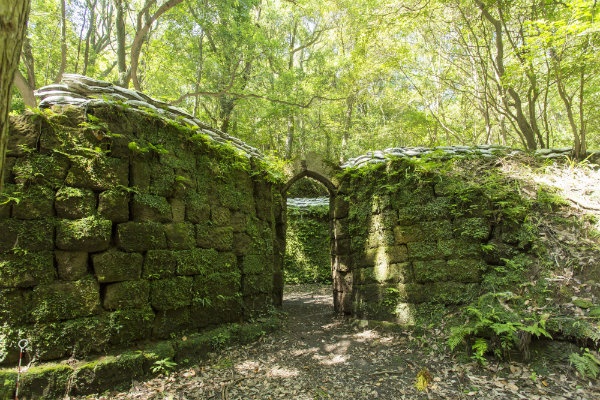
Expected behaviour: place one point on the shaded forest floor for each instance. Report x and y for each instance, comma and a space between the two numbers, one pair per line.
319, 355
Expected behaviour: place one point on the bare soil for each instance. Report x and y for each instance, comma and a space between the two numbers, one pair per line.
320, 355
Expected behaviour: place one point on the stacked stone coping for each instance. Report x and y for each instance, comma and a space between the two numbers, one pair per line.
487, 151
82, 91
307, 202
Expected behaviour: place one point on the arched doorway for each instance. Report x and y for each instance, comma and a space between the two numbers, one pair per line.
340, 292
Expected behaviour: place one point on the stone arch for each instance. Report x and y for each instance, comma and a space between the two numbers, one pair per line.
333, 190
306, 173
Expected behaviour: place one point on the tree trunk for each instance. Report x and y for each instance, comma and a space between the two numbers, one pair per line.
121, 61
63, 41
13, 23
26, 91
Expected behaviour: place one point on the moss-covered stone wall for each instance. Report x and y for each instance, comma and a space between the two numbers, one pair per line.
308, 241
119, 226
413, 236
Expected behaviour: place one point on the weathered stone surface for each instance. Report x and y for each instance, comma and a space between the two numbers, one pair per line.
98, 173
424, 251
71, 265
148, 207
197, 208
169, 321
214, 237
141, 236
162, 182
89, 234
436, 230
74, 203
14, 307
27, 269
28, 235
181, 235
432, 271
460, 248
36, 202
409, 233
113, 205
257, 284
39, 169
160, 264
196, 261
466, 270
220, 216
131, 325
140, 175
116, 266
65, 300
171, 293
128, 294
178, 209
472, 228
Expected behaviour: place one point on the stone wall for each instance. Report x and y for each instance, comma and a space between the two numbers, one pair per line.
120, 226
308, 241
410, 238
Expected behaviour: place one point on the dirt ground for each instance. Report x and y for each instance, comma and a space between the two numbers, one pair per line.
318, 355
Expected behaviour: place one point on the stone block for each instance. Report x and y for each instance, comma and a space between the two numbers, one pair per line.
404, 234
181, 235
432, 271
71, 265
341, 207
114, 205
214, 289
35, 202
14, 307
171, 293
27, 269
424, 251
40, 169
141, 236
74, 203
28, 235
159, 264
130, 325
396, 254
239, 221
214, 237
60, 301
140, 174
162, 182
124, 295
98, 173
116, 266
178, 209
172, 321
45, 381
197, 208
466, 270
436, 230
220, 216
257, 284
148, 207
472, 228
107, 372
196, 261
256, 264
451, 293
460, 248
90, 234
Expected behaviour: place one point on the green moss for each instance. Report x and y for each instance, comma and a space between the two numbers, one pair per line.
98, 173
141, 236
35, 202
74, 203
26, 235
65, 300
124, 295
45, 381
172, 293
160, 264
113, 205
89, 234
26, 269
149, 207
181, 236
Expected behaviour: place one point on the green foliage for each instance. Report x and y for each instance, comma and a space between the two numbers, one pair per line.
587, 363
164, 366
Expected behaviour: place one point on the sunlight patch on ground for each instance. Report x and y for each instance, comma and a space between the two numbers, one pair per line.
281, 372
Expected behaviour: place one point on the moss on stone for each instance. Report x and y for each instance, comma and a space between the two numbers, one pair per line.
181, 235
141, 236
124, 295
71, 265
173, 321
27, 235
14, 307
35, 202
113, 205
46, 381
162, 182
130, 325
8, 381
108, 372
89, 234
171, 293
149, 207
209, 236
40, 169
65, 300
197, 207
115, 266
26, 269
98, 173
159, 264
74, 203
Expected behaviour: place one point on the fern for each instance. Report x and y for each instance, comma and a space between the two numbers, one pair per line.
587, 364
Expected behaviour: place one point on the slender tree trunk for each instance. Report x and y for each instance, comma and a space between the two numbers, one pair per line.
26, 91
63, 41
13, 24
121, 60
347, 126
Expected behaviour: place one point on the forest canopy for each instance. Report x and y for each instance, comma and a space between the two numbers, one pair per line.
339, 77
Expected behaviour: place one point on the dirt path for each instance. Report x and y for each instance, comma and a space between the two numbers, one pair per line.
322, 356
